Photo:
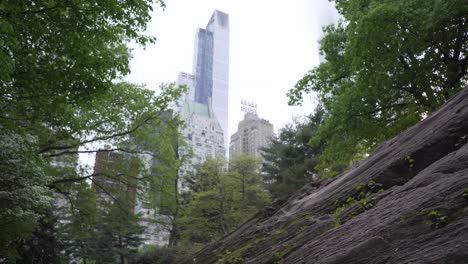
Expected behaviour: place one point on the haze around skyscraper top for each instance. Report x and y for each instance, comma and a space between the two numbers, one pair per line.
272, 45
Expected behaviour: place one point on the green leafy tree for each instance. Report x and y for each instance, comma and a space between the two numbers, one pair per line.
388, 64
246, 169
61, 92
60, 53
211, 213
59, 85
221, 199
166, 255
118, 233
43, 246
207, 174
163, 191
290, 160
23, 194
78, 224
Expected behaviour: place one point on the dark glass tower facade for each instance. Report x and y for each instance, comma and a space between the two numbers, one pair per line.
211, 68
204, 67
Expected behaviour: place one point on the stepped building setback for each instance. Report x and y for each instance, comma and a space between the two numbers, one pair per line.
204, 108
188, 80
211, 68
202, 132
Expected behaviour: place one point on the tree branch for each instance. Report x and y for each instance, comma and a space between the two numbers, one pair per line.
42, 10
71, 152
82, 178
115, 135
379, 109
77, 178
108, 193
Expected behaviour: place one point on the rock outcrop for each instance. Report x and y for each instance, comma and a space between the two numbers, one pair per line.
406, 203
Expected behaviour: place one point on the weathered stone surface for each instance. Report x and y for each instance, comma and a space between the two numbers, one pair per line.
420, 217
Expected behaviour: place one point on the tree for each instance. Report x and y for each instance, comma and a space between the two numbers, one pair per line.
61, 95
43, 247
246, 167
23, 194
221, 200
60, 61
388, 64
207, 175
77, 228
163, 188
55, 53
118, 232
290, 160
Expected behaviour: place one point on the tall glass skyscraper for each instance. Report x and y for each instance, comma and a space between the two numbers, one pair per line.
203, 66
211, 67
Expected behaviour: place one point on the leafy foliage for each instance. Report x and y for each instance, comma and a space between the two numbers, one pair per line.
361, 196
78, 218
388, 64
43, 246
161, 189
465, 193
118, 236
245, 169
61, 95
165, 255
290, 160
437, 219
229, 258
207, 175
278, 255
23, 194
77, 48
221, 199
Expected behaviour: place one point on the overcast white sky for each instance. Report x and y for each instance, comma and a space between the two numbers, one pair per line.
273, 44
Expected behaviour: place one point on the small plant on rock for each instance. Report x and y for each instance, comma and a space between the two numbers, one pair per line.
279, 254
338, 213
438, 220
364, 191
230, 258
410, 161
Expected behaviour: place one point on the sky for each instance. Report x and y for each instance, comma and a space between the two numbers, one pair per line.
273, 44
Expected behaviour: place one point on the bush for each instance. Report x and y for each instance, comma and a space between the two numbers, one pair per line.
165, 255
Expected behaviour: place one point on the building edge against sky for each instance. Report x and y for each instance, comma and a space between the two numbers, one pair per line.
204, 108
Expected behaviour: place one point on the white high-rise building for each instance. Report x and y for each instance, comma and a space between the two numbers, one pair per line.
211, 67
204, 108
188, 80
202, 133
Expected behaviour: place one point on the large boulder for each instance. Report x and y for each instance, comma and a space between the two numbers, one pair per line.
406, 203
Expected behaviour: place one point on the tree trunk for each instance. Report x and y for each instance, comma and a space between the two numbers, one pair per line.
174, 234
243, 186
